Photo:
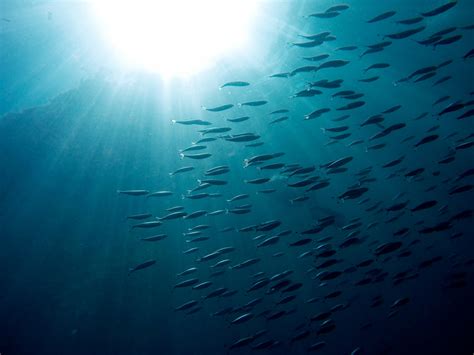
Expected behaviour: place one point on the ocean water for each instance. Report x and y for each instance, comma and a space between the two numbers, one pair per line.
76, 127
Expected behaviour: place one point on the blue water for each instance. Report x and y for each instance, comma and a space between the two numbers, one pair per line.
76, 127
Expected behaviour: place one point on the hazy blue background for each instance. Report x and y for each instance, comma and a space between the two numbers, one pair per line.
75, 127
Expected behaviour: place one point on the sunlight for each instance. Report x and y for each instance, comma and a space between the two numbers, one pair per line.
176, 37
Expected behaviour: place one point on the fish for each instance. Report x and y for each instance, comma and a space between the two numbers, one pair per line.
307, 93
337, 63
449, 40
253, 103
238, 119
469, 54
410, 21
338, 7
192, 122
215, 130
406, 33
388, 247
280, 75
317, 113
427, 139
305, 69
325, 15
301, 242
142, 266
186, 283
147, 225
186, 305
197, 156
234, 84
268, 241
133, 192
244, 137
424, 205
140, 216
440, 9
347, 48
159, 194
154, 238
353, 193
375, 120
377, 66
218, 108
382, 16
257, 181
351, 106
284, 110
369, 80
317, 58
281, 119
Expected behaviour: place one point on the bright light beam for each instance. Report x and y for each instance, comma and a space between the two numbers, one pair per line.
176, 38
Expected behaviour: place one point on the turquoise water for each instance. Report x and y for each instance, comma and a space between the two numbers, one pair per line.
77, 127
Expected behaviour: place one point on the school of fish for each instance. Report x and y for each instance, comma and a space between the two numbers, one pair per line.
383, 232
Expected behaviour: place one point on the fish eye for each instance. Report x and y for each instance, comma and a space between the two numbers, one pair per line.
175, 38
